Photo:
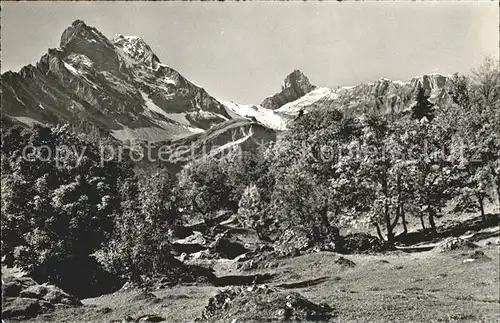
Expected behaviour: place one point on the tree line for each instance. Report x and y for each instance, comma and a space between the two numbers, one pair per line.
327, 171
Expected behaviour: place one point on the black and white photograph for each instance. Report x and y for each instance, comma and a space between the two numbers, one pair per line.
250, 161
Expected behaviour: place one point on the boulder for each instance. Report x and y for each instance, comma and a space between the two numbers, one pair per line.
14, 285
227, 246
261, 303
195, 238
51, 294
292, 241
455, 243
361, 243
191, 244
344, 262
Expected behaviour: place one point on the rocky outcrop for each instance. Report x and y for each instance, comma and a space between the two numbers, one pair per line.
296, 84
455, 243
392, 97
383, 96
23, 298
261, 303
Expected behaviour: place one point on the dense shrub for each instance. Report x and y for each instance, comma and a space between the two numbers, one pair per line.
139, 248
60, 206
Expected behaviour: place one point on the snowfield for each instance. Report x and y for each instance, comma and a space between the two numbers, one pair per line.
322, 93
265, 116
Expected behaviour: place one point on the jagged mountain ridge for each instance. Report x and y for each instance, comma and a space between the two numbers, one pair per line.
380, 97
119, 86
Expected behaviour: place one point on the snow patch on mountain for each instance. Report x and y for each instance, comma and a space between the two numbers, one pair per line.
151, 106
136, 48
265, 116
27, 120
178, 117
307, 100
231, 144
79, 60
71, 69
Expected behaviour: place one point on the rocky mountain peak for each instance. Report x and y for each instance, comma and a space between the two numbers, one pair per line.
298, 80
79, 32
136, 49
80, 38
296, 85
118, 86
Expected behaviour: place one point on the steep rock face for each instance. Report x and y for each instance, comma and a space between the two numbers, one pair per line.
392, 97
89, 42
380, 97
118, 86
295, 86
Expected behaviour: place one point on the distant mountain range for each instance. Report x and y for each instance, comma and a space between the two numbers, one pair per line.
120, 87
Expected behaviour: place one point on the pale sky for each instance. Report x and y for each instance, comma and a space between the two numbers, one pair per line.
243, 51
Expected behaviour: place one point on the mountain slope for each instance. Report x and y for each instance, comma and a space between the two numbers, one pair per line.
215, 142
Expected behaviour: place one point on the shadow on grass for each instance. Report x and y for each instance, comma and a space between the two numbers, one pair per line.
453, 230
305, 283
235, 280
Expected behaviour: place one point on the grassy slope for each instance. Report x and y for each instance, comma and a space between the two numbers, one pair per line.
393, 287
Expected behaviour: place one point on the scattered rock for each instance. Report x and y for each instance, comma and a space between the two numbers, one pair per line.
128, 319
476, 256
51, 294
487, 243
345, 262
13, 286
261, 303
22, 307
227, 246
105, 310
23, 297
293, 241
455, 243
144, 296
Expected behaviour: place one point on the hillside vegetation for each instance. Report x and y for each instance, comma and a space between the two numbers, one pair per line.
277, 213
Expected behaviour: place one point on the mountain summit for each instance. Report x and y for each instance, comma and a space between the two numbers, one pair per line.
296, 85
118, 86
